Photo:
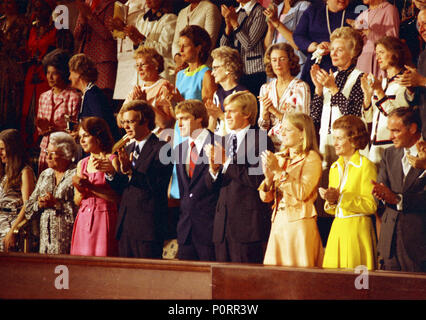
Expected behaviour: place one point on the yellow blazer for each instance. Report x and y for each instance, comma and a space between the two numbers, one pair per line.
354, 185
294, 192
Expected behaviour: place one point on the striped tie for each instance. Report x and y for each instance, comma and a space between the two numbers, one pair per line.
192, 159
233, 148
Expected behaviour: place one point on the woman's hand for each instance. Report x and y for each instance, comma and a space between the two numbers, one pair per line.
114, 24
331, 195
104, 165
9, 240
271, 14
214, 110
137, 93
367, 89
318, 85
82, 184
327, 80
46, 201
270, 164
267, 105
133, 33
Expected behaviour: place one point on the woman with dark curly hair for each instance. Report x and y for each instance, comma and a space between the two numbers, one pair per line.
285, 93
94, 227
352, 240
57, 105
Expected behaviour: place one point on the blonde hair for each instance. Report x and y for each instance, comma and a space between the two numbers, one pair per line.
231, 60
153, 54
304, 123
353, 40
195, 108
247, 103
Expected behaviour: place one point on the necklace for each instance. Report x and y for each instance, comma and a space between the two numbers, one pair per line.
328, 19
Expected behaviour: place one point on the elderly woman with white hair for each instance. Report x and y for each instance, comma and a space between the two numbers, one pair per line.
53, 197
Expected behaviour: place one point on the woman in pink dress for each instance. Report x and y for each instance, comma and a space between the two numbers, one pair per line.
94, 227
381, 19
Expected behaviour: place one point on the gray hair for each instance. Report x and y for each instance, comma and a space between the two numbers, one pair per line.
66, 143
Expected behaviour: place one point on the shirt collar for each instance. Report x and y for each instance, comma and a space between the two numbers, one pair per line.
247, 7
142, 142
411, 151
240, 134
199, 140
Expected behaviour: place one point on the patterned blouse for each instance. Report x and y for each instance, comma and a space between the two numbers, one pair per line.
352, 105
10, 204
295, 98
56, 224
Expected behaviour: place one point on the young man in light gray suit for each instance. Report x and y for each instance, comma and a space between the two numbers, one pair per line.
402, 189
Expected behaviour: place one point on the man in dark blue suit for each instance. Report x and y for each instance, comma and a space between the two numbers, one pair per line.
242, 221
142, 182
198, 202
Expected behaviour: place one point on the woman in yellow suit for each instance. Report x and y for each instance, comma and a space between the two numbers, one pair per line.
352, 240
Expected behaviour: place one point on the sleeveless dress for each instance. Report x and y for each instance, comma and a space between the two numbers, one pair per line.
94, 227
10, 205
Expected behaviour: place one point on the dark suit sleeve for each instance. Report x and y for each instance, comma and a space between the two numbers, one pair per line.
250, 173
118, 182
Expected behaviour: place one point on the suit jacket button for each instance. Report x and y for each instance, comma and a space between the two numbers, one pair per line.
190, 195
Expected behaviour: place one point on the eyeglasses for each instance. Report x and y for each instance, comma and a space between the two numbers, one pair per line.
124, 122
420, 24
141, 65
214, 68
54, 154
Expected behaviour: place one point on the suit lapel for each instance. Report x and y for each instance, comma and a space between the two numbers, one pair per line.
145, 152
183, 155
202, 160
411, 177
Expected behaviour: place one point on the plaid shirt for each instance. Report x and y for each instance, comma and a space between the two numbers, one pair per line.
54, 108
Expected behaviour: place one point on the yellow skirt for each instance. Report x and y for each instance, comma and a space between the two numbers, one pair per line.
294, 243
351, 243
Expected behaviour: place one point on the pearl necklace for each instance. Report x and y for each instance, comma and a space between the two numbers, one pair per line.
328, 19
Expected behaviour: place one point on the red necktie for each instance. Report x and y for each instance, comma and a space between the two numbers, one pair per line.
192, 159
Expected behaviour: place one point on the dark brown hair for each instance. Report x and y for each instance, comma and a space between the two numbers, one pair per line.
199, 37
195, 108
17, 157
401, 54
98, 128
293, 59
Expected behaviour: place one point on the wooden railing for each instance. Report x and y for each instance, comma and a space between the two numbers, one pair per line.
35, 276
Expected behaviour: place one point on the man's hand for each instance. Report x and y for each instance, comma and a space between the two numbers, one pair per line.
381, 192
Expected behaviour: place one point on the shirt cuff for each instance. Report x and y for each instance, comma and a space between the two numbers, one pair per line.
399, 206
